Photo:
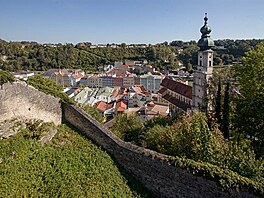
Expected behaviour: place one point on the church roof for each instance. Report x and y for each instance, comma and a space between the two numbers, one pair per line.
178, 87
184, 106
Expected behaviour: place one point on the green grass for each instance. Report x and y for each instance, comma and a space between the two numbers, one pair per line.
49, 87
69, 166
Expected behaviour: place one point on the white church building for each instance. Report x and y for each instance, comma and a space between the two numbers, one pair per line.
192, 98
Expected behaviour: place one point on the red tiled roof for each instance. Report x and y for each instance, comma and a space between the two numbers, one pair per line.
184, 106
76, 76
123, 66
162, 90
121, 106
140, 89
103, 105
177, 87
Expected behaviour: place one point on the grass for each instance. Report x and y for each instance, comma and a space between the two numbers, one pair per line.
69, 166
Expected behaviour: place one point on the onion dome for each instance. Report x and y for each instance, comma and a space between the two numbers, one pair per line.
205, 42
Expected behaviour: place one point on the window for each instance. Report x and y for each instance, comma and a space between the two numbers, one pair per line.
200, 63
210, 63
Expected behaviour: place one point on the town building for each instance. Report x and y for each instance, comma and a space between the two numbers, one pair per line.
203, 72
186, 98
94, 81
138, 96
83, 96
176, 94
65, 77
129, 80
24, 75
151, 82
107, 81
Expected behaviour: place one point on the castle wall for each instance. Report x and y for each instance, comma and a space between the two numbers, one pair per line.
152, 169
19, 100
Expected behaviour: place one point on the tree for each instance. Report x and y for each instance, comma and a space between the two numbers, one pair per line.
226, 116
95, 113
123, 45
218, 104
250, 105
131, 131
177, 43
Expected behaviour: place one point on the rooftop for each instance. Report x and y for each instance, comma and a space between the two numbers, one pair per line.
177, 87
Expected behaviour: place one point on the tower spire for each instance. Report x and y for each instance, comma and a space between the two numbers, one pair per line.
205, 42
201, 98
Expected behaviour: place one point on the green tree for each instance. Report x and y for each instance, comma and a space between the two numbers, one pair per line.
128, 128
218, 105
95, 113
250, 105
226, 113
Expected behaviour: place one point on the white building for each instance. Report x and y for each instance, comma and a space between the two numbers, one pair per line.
203, 71
151, 82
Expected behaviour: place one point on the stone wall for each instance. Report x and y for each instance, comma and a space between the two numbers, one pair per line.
19, 100
150, 168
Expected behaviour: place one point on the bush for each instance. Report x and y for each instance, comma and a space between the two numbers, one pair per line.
191, 138
50, 87
128, 128
69, 166
223, 176
95, 113
6, 77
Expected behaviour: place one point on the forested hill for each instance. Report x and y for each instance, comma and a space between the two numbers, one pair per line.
15, 56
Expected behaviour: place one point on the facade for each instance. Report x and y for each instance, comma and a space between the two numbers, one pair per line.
65, 77
107, 81
176, 94
83, 81
151, 82
94, 82
117, 82
203, 71
128, 81
138, 96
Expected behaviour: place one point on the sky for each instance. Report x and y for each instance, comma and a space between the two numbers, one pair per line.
128, 21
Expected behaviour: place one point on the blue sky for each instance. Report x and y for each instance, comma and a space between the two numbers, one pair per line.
129, 21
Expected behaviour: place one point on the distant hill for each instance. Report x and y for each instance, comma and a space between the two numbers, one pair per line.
16, 56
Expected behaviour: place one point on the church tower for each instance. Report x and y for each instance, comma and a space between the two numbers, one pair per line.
203, 71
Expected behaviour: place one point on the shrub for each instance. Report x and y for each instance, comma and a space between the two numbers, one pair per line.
50, 87
6, 77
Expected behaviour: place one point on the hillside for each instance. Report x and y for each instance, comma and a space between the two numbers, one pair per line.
16, 56
69, 166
